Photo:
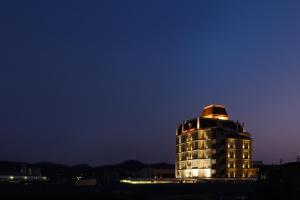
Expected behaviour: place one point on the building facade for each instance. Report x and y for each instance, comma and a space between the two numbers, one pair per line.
212, 146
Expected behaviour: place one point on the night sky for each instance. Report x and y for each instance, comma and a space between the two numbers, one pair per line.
100, 82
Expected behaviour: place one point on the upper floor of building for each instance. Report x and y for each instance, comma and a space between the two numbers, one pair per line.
213, 116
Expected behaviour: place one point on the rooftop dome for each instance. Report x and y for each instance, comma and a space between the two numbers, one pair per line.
215, 111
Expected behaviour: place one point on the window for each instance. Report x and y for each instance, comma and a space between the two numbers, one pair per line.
188, 165
231, 144
231, 154
183, 148
246, 155
182, 165
195, 145
183, 156
188, 147
246, 165
183, 139
246, 145
232, 174
200, 145
195, 155
200, 135
195, 136
200, 154
231, 164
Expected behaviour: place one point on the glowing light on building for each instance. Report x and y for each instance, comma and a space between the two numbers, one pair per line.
146, 182
211, 139
215, 112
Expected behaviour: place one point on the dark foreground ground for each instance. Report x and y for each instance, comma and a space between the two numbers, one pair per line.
278, 188
124, 191
274, 182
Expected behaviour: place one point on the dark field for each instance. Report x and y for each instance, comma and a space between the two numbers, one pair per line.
274, 182
124, 191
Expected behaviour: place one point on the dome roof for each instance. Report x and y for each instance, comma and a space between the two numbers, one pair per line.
215, 111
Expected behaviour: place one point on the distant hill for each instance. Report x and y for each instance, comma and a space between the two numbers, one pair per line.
54, 170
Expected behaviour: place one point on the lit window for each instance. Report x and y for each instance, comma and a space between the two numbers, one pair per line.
231, 164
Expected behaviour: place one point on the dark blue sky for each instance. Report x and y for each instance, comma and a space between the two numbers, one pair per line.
100, 82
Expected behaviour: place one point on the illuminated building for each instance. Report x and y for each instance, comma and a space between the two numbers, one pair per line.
212, 146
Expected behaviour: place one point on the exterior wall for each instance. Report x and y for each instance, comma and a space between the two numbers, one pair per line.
215, 152
239, 158
221, 154
233, 156
194, 154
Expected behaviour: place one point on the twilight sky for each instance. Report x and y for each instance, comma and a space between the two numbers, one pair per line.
100, 82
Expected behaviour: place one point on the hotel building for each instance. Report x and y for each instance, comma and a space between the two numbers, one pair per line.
212, 146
